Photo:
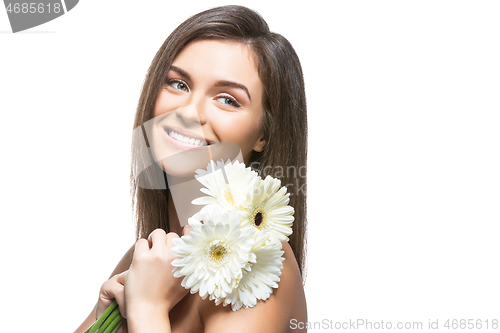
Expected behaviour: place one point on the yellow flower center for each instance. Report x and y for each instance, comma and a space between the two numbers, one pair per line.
229, 197
258, 218
216, 253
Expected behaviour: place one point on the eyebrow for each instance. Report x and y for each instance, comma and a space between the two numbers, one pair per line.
221, 83
181, 72
232, 84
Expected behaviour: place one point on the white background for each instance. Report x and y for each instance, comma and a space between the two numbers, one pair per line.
404, 182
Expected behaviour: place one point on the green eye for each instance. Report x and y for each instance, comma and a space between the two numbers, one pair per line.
179, 85
228, 101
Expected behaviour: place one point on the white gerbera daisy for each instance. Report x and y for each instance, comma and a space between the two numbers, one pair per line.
225, 184
267, 209
257, 283
212, 257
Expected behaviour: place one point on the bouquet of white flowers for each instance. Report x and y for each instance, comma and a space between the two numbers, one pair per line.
233, 255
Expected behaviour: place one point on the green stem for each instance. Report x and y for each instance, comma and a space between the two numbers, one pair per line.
109, 320
102, 318
117, 327
114, 324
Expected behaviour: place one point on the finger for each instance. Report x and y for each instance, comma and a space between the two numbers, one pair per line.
111, 290
158, 237
170, 236
141, 245
120, 278
117, 284
187, 229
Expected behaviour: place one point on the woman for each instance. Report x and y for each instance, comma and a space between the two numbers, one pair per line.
221, 76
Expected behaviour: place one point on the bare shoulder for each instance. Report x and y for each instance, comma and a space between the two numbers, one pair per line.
273, 315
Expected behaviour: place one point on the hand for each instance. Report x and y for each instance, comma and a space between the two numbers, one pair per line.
150, 287
111, 290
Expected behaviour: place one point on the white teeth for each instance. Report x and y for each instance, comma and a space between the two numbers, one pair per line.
179, 137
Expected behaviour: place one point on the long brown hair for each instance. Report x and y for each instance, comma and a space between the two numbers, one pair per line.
284, 122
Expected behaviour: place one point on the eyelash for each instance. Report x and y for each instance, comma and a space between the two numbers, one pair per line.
169, 82
229, 97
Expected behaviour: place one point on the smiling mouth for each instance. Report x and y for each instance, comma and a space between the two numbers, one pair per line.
186, 139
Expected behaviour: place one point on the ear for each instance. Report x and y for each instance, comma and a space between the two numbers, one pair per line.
259, 144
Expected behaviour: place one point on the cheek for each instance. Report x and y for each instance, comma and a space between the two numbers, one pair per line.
160, 104
237, 128
166, 102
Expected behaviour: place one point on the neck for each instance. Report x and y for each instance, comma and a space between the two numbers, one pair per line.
173, 219
182, 190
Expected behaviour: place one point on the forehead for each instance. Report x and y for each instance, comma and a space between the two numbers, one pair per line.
219, 60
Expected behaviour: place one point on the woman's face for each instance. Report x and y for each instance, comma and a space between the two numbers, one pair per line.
212, 94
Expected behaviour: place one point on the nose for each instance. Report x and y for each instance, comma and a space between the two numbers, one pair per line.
192, 113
